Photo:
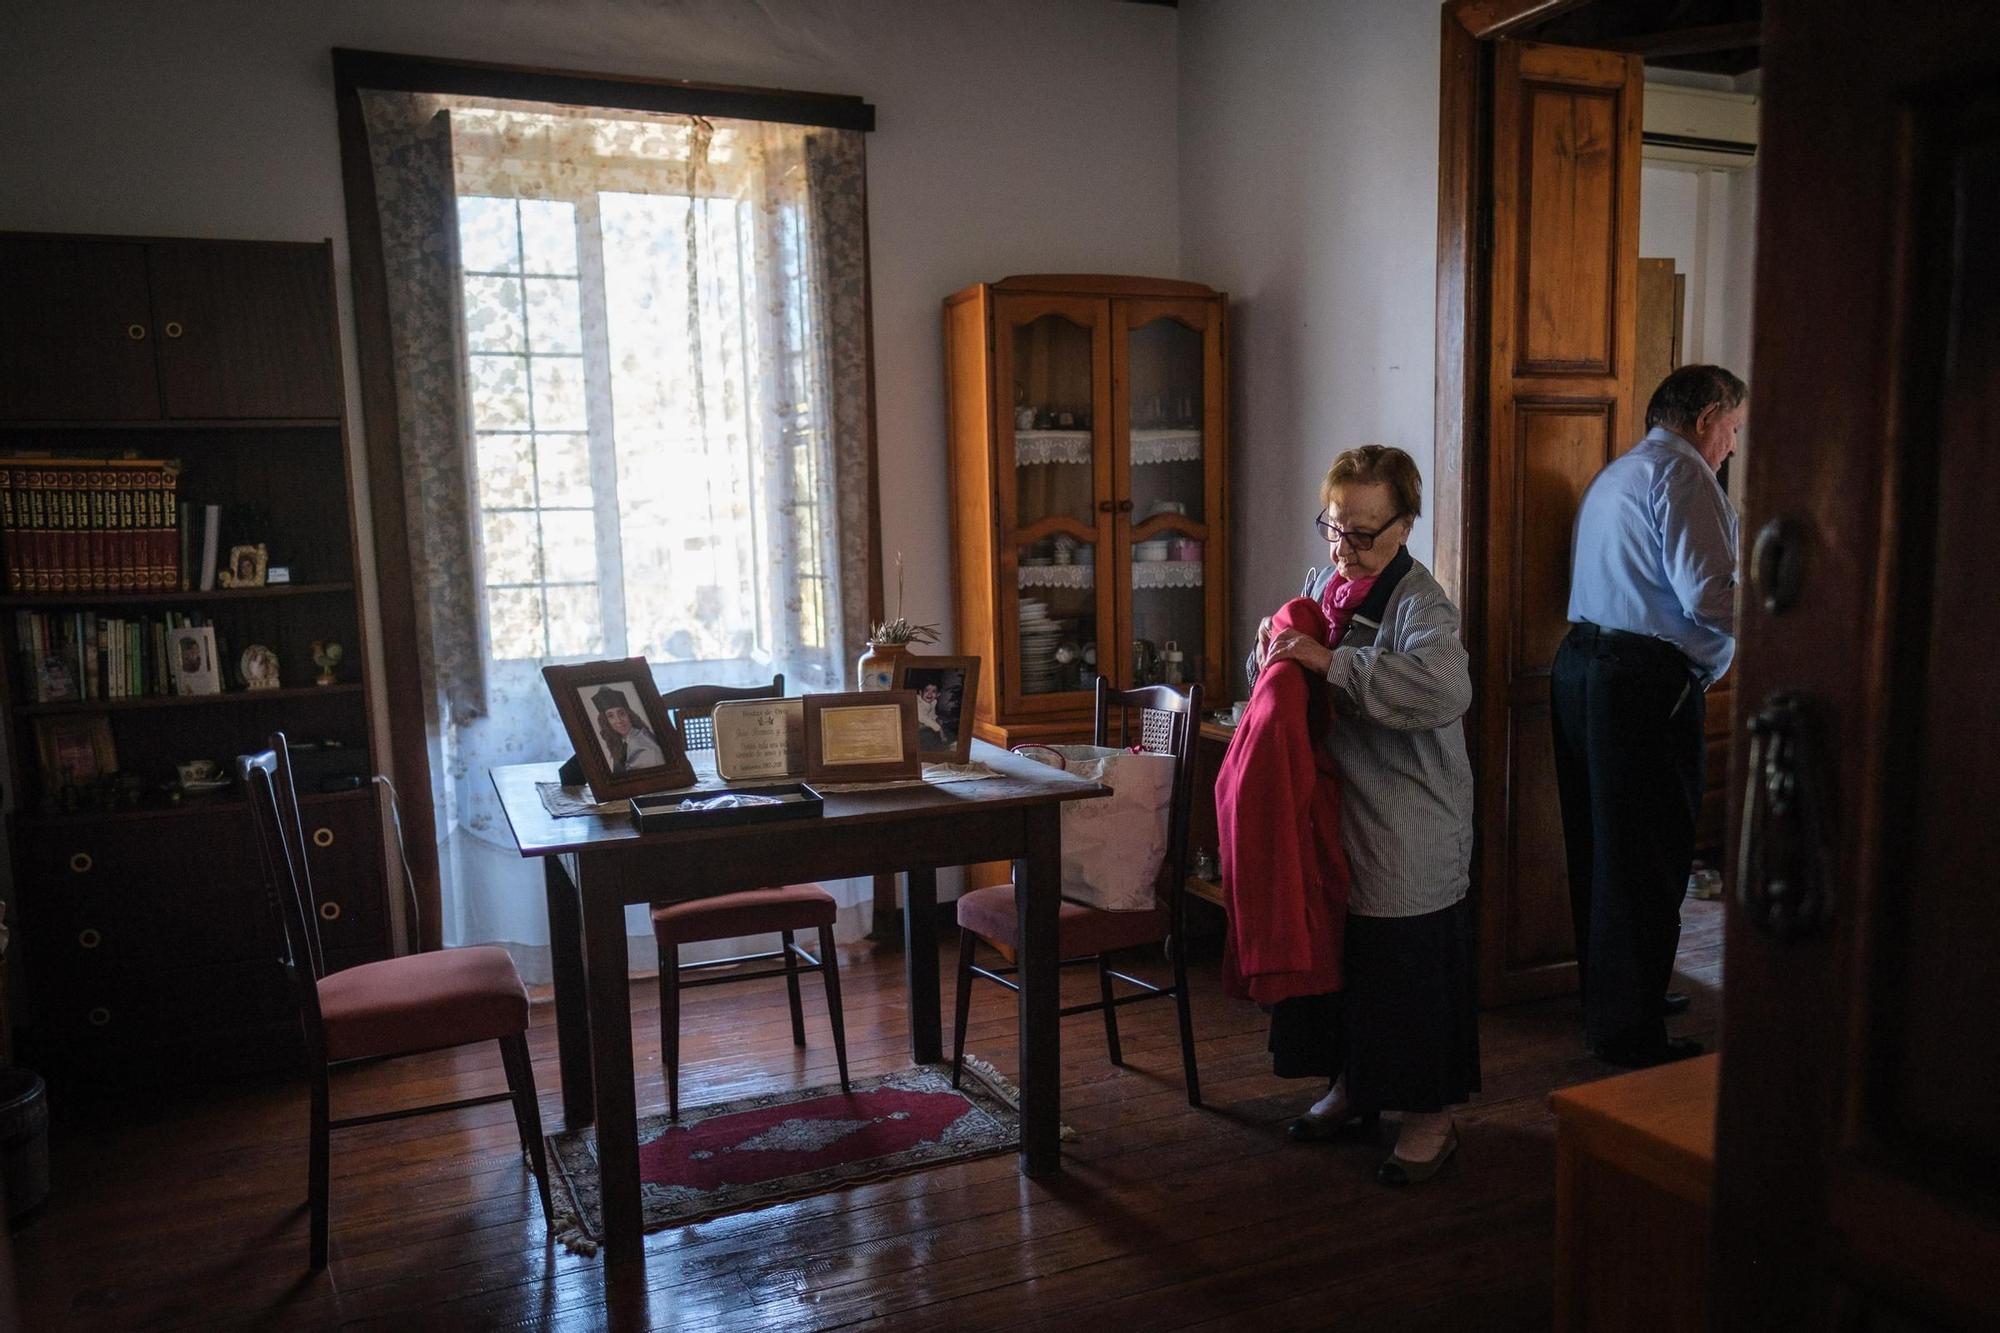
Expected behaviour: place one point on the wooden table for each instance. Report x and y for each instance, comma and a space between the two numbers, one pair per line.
596, 865
1635, 1156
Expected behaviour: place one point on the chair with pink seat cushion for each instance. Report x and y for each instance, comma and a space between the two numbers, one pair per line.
1169, 723
398, 1006
779, 911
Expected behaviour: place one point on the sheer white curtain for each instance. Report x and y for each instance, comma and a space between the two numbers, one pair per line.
648, 393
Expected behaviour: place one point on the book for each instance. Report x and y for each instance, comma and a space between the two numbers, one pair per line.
211, 532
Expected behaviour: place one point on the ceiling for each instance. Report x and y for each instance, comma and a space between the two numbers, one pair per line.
1712, 36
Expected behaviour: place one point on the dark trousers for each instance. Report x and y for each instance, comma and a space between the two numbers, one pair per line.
1628, 717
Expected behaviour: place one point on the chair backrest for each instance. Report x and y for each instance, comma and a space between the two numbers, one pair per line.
281, 847
1168, 722
692, 707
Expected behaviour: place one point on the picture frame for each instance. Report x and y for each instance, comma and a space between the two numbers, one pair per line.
629, 756
945, 688
865, 736
247, 567
759, 738
76, 750
191, 660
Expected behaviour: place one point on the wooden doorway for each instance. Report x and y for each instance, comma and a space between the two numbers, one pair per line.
1539, 382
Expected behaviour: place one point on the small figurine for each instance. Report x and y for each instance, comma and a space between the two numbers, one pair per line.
326, 655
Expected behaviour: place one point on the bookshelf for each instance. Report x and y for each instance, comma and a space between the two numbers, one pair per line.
146, 935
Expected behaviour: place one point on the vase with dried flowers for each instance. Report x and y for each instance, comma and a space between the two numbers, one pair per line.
889, 641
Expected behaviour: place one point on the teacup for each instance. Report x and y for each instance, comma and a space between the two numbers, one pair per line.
194, 772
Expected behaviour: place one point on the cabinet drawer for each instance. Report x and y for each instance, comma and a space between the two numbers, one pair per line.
344, 850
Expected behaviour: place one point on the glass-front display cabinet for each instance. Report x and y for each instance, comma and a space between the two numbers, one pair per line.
1089, 466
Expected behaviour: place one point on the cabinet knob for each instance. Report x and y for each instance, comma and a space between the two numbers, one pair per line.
173, 329
80, 863
322, 837
329, 911
136, 332
1124, 506
88, 938
99, 1017
1105, 506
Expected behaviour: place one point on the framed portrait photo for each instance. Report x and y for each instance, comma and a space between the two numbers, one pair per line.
76, 750
247, 567
870, 736
945, 688
191, 660
625, 742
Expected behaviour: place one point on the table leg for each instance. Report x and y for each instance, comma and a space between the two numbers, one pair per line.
611, 1053
572, 1001
920, 965
1037, 897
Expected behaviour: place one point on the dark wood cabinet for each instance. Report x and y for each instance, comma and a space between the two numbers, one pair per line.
97, 330
76, 331
148, 941
245, 330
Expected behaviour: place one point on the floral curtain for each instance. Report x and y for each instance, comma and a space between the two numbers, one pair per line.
638, 346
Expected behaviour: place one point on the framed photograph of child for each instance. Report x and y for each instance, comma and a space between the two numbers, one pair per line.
625, 742
191, 660
945, 688
247, 567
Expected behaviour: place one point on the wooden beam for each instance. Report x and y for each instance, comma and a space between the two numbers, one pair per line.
1689, 41
1490, 19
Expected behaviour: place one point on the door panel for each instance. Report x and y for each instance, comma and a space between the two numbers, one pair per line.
1565, 251
1857, 1180
76, 331
1052, 361
245, 330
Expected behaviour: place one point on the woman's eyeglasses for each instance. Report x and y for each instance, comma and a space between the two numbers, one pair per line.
1355, 537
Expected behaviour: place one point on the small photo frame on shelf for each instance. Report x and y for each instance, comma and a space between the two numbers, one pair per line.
945, 688
625, 742
191, 660
247, 567
759, 738
76, 751
868, 736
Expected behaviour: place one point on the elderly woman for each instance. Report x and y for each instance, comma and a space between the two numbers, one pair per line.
1401, 1035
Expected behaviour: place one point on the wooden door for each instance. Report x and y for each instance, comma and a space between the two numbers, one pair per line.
1565, 199
1057, 507
245, 330
1168, 467
76, 331
1858, 1173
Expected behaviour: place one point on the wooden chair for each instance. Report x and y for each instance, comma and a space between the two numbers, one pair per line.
781, 911
399, 1006
1169, 723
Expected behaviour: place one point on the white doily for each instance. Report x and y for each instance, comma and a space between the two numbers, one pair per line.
1051, 446
1177, 445
1057, 576
1166, 573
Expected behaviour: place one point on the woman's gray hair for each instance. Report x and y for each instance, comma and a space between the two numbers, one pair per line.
1684, 395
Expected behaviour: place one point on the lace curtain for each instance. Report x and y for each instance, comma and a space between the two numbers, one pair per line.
633, 350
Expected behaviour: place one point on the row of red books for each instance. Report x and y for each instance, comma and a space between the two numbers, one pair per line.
89, 524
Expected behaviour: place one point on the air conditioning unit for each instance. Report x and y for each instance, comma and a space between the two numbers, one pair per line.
1700, 126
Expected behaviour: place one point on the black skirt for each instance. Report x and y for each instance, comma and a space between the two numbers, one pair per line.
1405, 1028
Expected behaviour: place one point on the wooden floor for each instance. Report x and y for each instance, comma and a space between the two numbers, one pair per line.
1164, 1217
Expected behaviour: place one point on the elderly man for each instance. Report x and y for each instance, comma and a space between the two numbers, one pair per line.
1652, 607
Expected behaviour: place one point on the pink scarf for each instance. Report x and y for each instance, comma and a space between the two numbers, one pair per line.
1338, 602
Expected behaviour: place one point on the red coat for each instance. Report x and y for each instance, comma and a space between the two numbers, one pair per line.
1277, 808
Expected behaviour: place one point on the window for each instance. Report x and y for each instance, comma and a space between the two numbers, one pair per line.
646, 388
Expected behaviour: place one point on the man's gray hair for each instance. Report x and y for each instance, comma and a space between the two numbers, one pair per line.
1682, 397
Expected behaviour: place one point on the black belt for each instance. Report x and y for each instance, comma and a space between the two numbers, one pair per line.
1586, 633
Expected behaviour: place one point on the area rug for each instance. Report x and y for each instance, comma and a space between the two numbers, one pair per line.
788, 1145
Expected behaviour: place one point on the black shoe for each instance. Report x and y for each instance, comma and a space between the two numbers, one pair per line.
1645, 1057
1675, 1002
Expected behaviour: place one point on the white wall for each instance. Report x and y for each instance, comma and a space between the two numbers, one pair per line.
1704, 219
1308, 189
1013, 136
